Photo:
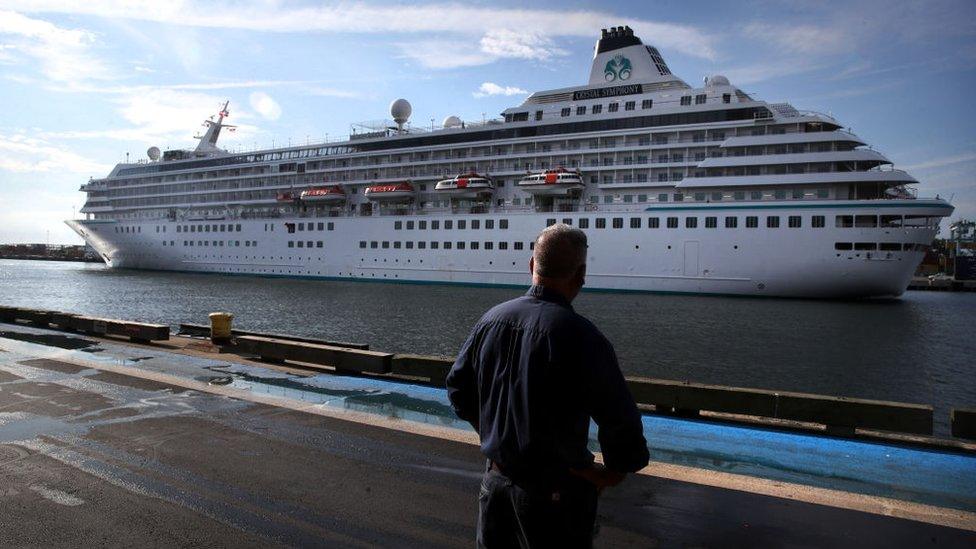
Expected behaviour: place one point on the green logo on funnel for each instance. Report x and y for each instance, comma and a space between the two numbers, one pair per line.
617, 68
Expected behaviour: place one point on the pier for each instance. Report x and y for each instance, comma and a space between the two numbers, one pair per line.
115, 432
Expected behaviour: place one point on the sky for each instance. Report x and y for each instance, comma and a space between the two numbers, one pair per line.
83, 84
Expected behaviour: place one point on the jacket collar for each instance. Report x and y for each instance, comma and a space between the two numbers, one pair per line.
545, 294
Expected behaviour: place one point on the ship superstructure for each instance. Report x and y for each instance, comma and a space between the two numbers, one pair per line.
680, 189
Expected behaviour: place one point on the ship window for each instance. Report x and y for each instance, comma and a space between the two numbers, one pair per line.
386, 244
686, 100
330, 226
711, 222
434, 244
178, 228
818, 221
290, 227
779, 195
435, 224
795, 222
448, 224
422, 225
538, 115
653, 222
550, 222
238, 228
362, 243
731, 222
567, 221
647, 103
320, 226
374, 244
421, 245
739, 195
503, 245
629, 106
865, 246
447, 245
520, 116
318, 244
752, 222
726, 98
843, 246
845, 221
755, 195
635, 223
866, 221
474, 244
891, 221
291, 243
822, 193
502, 223
772, 221
301, 226
679, 197
206, 228
223, 228
475, 224
700, 99
628, 198
583, 223
489, 245
717, 196
672, 222
581, 110
797, 193
518, 245
565, 111
489, 224
396, 245
601, 223
642, 198
890, 246
691, 222
532, 245
597, 109
397, 225
663, 197
409, 244
618, 223
613, 107
462, 224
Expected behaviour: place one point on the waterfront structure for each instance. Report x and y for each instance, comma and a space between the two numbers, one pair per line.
680, 189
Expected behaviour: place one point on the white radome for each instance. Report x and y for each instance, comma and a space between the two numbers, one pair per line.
400, 110
153, 153
452, 122
718, 80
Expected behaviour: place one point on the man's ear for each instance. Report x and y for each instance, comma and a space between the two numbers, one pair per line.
581, 274
532, 265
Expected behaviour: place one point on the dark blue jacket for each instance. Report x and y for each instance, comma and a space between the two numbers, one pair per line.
529, 378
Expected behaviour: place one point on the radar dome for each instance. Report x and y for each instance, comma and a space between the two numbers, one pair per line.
452, 122
400, 110
718, 80
153, 153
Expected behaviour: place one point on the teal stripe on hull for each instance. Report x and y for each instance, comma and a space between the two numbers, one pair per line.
790, 207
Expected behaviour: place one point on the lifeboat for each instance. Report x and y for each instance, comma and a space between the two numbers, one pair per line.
286, 197
394, 192
335, 193
470, 185
558, 182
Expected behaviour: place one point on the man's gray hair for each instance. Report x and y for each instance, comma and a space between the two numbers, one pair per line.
559, 251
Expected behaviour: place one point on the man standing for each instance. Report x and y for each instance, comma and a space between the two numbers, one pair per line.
529, 378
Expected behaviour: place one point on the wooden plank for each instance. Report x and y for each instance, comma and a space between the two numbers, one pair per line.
201, 330
963, 422
434, 368
340, 358
838, 413
138, 331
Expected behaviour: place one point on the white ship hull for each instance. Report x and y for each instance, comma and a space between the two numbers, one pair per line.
761, 261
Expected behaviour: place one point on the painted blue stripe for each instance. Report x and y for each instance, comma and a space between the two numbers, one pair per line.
795, 206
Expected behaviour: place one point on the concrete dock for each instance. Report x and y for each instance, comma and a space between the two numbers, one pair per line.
111, 443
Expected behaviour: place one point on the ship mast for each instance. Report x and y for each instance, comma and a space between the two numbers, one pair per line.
208, 141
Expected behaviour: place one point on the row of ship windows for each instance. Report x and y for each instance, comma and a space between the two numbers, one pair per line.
772, 221
882, 246
217, 243
462, 224
215, 228
646, 104
447, 245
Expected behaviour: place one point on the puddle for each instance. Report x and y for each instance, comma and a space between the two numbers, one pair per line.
54, 340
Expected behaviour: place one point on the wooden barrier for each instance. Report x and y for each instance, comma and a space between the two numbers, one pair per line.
200, 330
963, 422
136, 331
433, 368
340, 358
840, 414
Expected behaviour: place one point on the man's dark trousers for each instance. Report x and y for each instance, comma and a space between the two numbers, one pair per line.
561, 513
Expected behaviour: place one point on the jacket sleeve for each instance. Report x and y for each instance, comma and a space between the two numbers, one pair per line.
462, 381
621, 431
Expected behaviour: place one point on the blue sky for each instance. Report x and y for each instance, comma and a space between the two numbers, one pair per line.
83, 83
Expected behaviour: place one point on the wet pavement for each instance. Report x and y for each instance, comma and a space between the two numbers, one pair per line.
140, 447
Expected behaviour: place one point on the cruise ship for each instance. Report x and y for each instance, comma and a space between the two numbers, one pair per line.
702, 190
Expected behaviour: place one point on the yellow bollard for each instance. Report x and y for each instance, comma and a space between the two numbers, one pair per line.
220, 327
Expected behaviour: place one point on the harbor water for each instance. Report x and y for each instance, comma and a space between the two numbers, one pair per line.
917, 348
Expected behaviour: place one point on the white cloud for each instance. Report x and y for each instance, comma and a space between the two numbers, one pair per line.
462, 20
942, 162
63, 55
490, 88
443, 54
265, 105
25, 154
501, 43
804, 39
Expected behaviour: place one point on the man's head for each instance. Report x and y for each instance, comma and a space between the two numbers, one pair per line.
559, 259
